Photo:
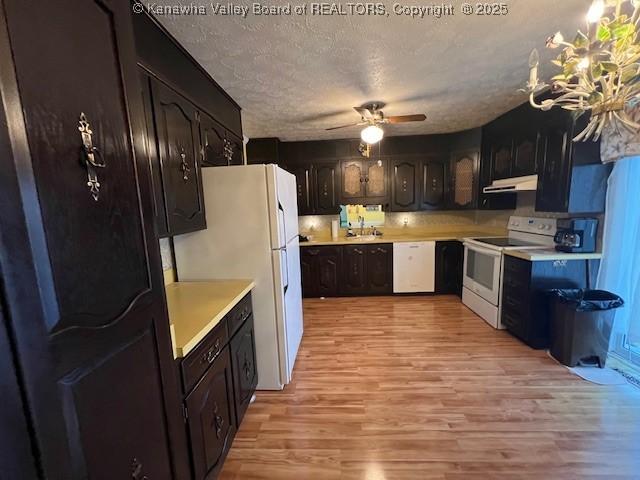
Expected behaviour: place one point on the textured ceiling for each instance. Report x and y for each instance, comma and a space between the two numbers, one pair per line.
294, 76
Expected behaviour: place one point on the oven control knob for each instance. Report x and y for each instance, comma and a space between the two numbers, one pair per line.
540, 227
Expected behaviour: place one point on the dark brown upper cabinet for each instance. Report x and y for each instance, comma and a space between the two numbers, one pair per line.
163, 56
218, 146
265, 150
304, 191
325, 188
433, 183
212, 142
82, 288
176, 121
571, 177
365, 182
159, 209
501, 157
353, 174
463, 173
405, 184
525, 153
376, 181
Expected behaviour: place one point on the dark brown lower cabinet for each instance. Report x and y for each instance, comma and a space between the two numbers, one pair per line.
321, 271
349, 270
449, 267
379, 269
525, 304
219, 377
243, 366
354, 279
211, 418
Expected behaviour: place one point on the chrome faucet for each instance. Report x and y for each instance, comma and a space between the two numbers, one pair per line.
361, 220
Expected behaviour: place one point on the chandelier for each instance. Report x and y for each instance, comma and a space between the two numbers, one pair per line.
599, 69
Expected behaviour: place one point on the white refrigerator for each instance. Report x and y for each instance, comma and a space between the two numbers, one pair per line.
252, 233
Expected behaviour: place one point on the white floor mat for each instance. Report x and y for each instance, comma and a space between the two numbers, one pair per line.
601, 376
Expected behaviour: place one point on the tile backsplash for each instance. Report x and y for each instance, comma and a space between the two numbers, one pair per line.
467, 218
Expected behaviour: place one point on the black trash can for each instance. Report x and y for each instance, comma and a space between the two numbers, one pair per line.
581, 323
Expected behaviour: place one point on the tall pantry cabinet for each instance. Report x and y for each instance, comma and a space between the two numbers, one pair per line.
81, 298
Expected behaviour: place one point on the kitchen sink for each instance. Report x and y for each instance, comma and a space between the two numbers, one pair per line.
363, 238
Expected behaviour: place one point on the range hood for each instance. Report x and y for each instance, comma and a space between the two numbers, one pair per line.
515, 184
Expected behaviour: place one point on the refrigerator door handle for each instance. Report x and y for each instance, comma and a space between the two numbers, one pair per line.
283, 228
286, 268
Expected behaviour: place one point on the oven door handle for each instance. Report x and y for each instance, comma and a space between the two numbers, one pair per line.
486, 251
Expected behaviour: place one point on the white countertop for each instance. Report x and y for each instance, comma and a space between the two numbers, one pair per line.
546, 254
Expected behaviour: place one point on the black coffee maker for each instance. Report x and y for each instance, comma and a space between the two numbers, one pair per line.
576, 235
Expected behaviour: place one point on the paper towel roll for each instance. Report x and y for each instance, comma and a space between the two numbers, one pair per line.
334, 229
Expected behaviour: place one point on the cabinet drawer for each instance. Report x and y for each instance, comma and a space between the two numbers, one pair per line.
513, 301
200, 358
515, 322
239, 314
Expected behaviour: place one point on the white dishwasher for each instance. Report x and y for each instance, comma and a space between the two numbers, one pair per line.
414, 267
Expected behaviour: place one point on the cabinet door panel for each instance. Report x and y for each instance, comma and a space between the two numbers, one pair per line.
243, 364
325, 187
449, 267
304, 176
525, 155
354, 270
353, 189
82, 284
211, 417
177, 127
375, 182
380, 269
501, 158
329, 268
159, 209
553, 182
433, 184
212, 137
309, 271
463, 179
404, 190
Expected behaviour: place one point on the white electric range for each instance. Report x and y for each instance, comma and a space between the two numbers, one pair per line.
484, 263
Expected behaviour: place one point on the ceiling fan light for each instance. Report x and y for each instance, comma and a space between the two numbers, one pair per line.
372, 134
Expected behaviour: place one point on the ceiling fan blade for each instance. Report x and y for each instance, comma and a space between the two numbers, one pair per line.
345, 126
420, 117
364, 112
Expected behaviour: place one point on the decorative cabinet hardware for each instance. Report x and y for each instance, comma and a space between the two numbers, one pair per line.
218, 421
184, 166
246, 367
136, 470
212, 353
92, 158
227, 150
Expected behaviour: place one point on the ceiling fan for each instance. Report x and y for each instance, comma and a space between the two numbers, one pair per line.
373, 116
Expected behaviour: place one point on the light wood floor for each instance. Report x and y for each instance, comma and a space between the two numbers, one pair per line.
421, 388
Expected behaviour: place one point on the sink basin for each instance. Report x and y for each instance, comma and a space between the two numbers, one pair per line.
363, 238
